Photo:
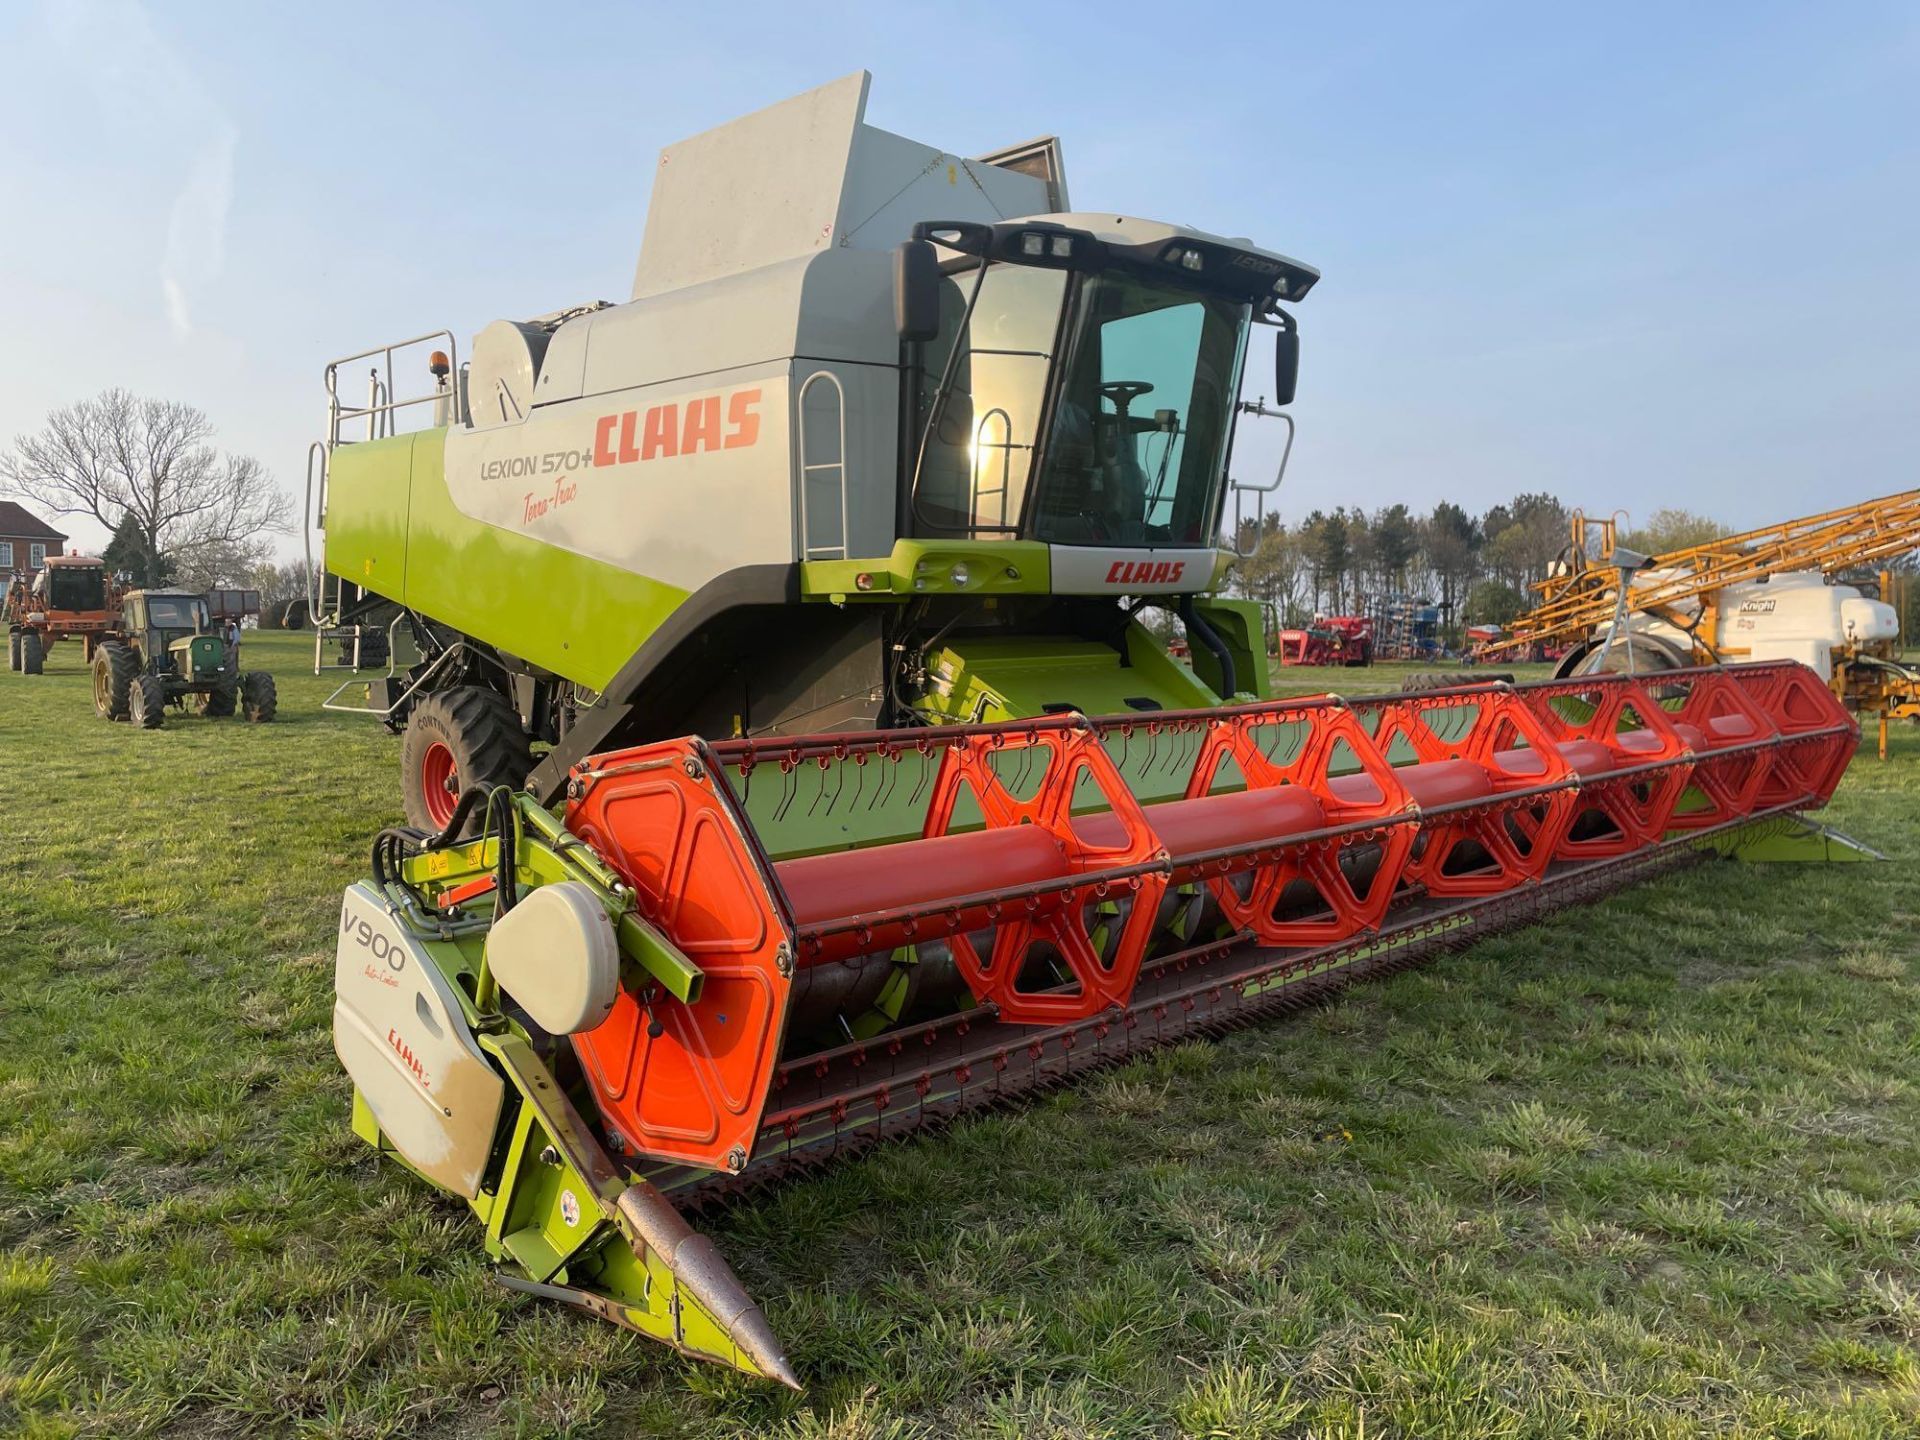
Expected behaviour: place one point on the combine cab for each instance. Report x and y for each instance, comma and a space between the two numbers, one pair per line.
873, 493
72, 597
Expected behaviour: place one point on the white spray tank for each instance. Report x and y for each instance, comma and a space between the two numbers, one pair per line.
1799, 616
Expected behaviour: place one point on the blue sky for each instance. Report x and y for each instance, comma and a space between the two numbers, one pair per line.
1635, 255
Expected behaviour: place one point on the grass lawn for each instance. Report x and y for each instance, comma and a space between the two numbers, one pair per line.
1650, 1170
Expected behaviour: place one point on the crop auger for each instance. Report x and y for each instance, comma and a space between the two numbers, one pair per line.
573, 1020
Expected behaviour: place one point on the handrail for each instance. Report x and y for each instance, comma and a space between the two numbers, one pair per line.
381, 407
380, 416
1242, 487
313, 518
808, 549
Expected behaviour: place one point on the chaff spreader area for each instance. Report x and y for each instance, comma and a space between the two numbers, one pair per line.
721, 961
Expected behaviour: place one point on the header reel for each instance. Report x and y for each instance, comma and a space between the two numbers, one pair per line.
725, 961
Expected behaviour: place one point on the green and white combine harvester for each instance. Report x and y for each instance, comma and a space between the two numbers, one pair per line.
874, 482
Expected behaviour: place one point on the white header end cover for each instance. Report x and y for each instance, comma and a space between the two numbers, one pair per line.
399, 1030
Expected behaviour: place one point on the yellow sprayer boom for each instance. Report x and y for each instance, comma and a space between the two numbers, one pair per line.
1581, 597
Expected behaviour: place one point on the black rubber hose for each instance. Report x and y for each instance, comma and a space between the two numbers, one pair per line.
475, 795
1209, 637
390, 847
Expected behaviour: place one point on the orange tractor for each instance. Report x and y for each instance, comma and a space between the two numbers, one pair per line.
72, 597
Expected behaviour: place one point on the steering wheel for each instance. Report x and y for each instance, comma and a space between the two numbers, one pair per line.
1124, 392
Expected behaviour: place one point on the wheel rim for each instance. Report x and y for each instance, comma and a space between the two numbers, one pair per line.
439, 783
101, 689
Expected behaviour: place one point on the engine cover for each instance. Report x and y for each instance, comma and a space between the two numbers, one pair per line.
400, 1032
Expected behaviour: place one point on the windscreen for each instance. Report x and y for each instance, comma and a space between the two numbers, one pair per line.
1139, 434
76, 588
175, 612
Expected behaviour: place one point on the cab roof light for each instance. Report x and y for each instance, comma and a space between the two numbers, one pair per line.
1027, 243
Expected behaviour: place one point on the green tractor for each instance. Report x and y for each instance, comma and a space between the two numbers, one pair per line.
165, 650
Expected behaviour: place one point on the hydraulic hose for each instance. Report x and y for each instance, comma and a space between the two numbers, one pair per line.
1200, 630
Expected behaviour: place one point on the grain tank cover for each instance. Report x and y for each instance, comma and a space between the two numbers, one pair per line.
501, 376
809, 175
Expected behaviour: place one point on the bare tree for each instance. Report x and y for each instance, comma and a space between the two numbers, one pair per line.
118, 456
213, 563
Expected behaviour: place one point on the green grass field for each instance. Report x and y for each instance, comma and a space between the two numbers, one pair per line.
1650, 1170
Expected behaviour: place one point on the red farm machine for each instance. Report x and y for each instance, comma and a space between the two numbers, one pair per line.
961, 826
71, 597
1330, 640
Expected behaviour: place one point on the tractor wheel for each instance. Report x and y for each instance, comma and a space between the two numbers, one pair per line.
13, 650
373, 651
217, 703
147, 702
115, 667
259, 702
456, 739
33, 654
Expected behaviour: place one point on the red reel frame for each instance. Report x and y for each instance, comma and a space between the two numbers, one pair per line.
1056, 917
677, 1081
688, 1083
1646, 768
1313, 860
1502, 730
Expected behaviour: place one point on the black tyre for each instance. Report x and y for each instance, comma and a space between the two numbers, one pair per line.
13, 650
454, 740
373, 651
147, 702
1650, 652
218, 703
115, 668
259, 701
33, 654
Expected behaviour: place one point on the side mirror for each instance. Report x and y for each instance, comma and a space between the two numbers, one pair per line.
916, 290
1286, 361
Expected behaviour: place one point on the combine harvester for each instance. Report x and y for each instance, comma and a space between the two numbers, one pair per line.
872, 485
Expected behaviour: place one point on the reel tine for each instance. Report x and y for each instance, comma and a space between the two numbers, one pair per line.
925, 781
839, 782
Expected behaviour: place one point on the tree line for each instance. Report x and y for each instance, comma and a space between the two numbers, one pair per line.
184, 512
1478, 569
